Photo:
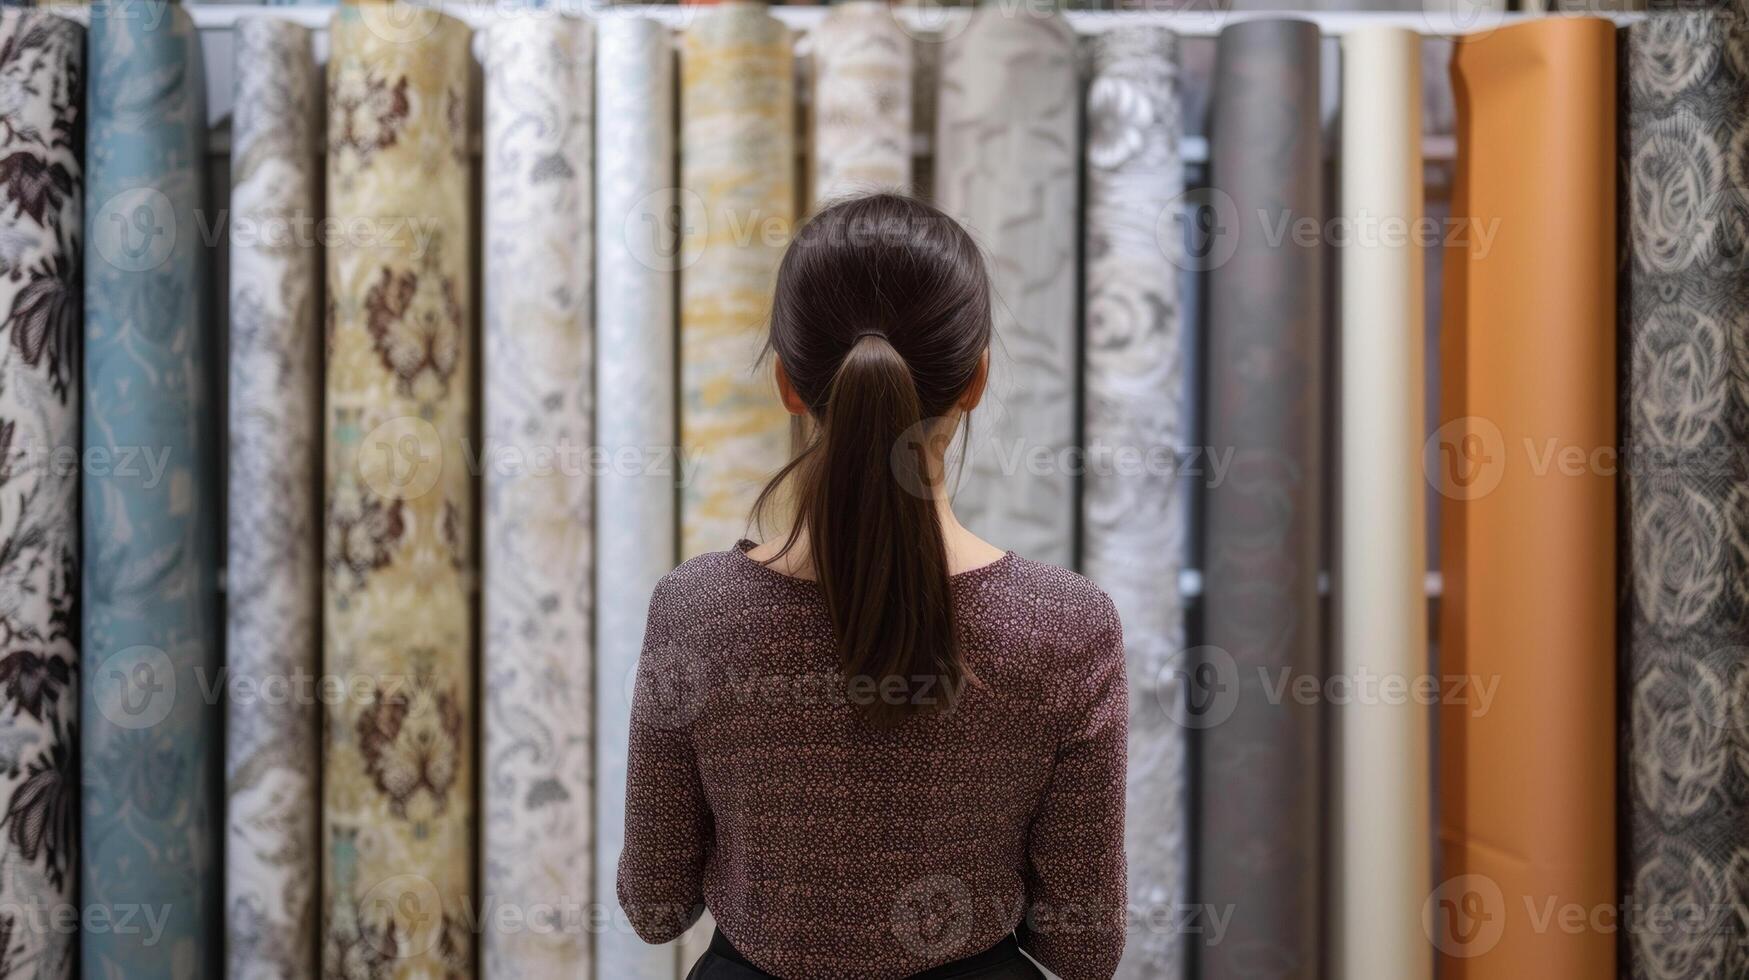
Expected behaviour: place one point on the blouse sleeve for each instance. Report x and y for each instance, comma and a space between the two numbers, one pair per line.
1076, 876
668, 828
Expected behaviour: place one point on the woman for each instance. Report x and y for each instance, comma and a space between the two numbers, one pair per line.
879, 746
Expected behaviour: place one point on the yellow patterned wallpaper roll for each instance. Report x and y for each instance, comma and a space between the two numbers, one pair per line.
398, 780
738, 188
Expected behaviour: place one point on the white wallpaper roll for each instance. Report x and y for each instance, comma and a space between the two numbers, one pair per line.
635, 536
273, 565
862, 102
1007, 141
1384, 855
1133, 507
537, 766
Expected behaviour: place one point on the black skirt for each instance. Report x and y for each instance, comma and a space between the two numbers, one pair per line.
1003, 961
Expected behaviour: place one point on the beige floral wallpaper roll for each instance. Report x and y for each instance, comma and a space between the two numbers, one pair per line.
862, 102
737, 199
398, 780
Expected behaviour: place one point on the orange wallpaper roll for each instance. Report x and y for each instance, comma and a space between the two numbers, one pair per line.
1525, 460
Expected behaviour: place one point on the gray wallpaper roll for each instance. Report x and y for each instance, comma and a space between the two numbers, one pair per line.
1006, 166
1133, 513
1259, 831
273, 553
1685, 421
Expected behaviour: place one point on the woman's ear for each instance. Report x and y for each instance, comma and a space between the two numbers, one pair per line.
792, 402
975, 391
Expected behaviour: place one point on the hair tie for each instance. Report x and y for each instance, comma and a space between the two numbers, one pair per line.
869, 333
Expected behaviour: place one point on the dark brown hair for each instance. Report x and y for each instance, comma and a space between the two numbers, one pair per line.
880, 319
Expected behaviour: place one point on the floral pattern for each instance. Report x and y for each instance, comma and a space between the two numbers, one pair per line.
415, 323
366, 113
634, 399
412, 741
397, 627
1006, 132
41, 101
149, 629
1134, 523
1685, 580
538, 658
273, 563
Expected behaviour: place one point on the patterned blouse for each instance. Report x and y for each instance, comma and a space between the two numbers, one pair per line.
829, 849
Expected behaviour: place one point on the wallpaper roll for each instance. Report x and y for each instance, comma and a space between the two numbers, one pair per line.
1685, 421
1383, 796
1133, 511
738, 175
398, 777
862, 102
538, 767
1007, 125
273, 563
150, 747
1261, 766
634, 422
1527, 522
44, 55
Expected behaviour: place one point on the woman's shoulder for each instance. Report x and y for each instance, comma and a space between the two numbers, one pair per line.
1038, 596
708, 573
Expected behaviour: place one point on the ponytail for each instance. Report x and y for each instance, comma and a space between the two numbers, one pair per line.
876, 539
865, 281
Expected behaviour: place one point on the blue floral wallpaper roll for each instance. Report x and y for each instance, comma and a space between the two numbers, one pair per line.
150, 611
42, 59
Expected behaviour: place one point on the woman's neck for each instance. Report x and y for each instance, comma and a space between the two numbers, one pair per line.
965, 550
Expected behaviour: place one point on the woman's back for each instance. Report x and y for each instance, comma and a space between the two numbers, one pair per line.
829, 847
876, 767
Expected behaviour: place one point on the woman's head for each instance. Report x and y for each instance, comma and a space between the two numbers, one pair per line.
880, 325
